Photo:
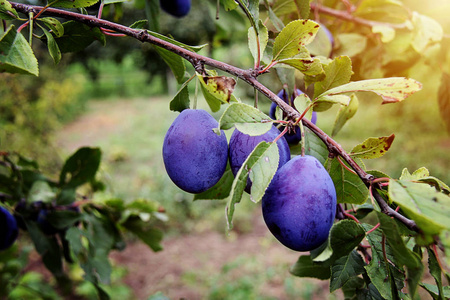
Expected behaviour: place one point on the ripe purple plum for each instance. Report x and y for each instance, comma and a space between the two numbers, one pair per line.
195, 157
176, 8
299, 205
8, 229
241, 145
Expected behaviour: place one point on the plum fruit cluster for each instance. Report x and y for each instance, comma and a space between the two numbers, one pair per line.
299, 205
195, 157
294, 135
8, 229
176, 8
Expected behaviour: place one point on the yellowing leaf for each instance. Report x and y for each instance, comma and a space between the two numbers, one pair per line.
373, 147
393, 89
290, 40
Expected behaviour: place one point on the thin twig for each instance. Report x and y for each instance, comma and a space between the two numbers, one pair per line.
345, 15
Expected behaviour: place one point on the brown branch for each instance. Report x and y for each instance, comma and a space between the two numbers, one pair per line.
345, 15
249, 76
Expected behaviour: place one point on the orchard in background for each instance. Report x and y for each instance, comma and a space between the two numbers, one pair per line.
315, 196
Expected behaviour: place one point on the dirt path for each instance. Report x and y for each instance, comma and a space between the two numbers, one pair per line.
191, 266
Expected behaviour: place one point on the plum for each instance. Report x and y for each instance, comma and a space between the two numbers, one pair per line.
8, 229
293, 136
299, 205
176, 8
195, 157
241, 145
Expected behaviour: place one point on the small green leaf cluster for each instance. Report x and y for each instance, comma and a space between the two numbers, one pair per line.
64, 222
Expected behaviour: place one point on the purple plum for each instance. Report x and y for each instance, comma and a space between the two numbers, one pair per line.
299, 205
195, 157
176, 8
8, 229
241, 145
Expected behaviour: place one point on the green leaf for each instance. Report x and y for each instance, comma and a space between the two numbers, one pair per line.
81, 167
16, 55
434, 290
229, 4
315, 146
345, 268
147, 233
429, 208
393, 89
321, 45
63, 219
53, 48
277, 23
444, 237
403, 255
152, 14
261, 165
74, 3
303, 8
47, 247
337, 72
77, 37
7, 12
345, 235
253, 8
323, 103
213, 103
373, 147
290, 40
41, 191
383, 270
54, 25
306, 267
263, 36
350, 44
307, 65
140, 24
181, 100
246, 118
345, 113
175, 63
301, 103
349, 187
105, 2
427, 31
220, 190
218, 87
435, 271
175, 42
444, 99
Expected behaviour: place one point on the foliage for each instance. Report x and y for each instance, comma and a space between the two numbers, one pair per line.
376, 44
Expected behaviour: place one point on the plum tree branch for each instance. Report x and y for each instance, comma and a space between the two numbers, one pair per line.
345, 15
249, 76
